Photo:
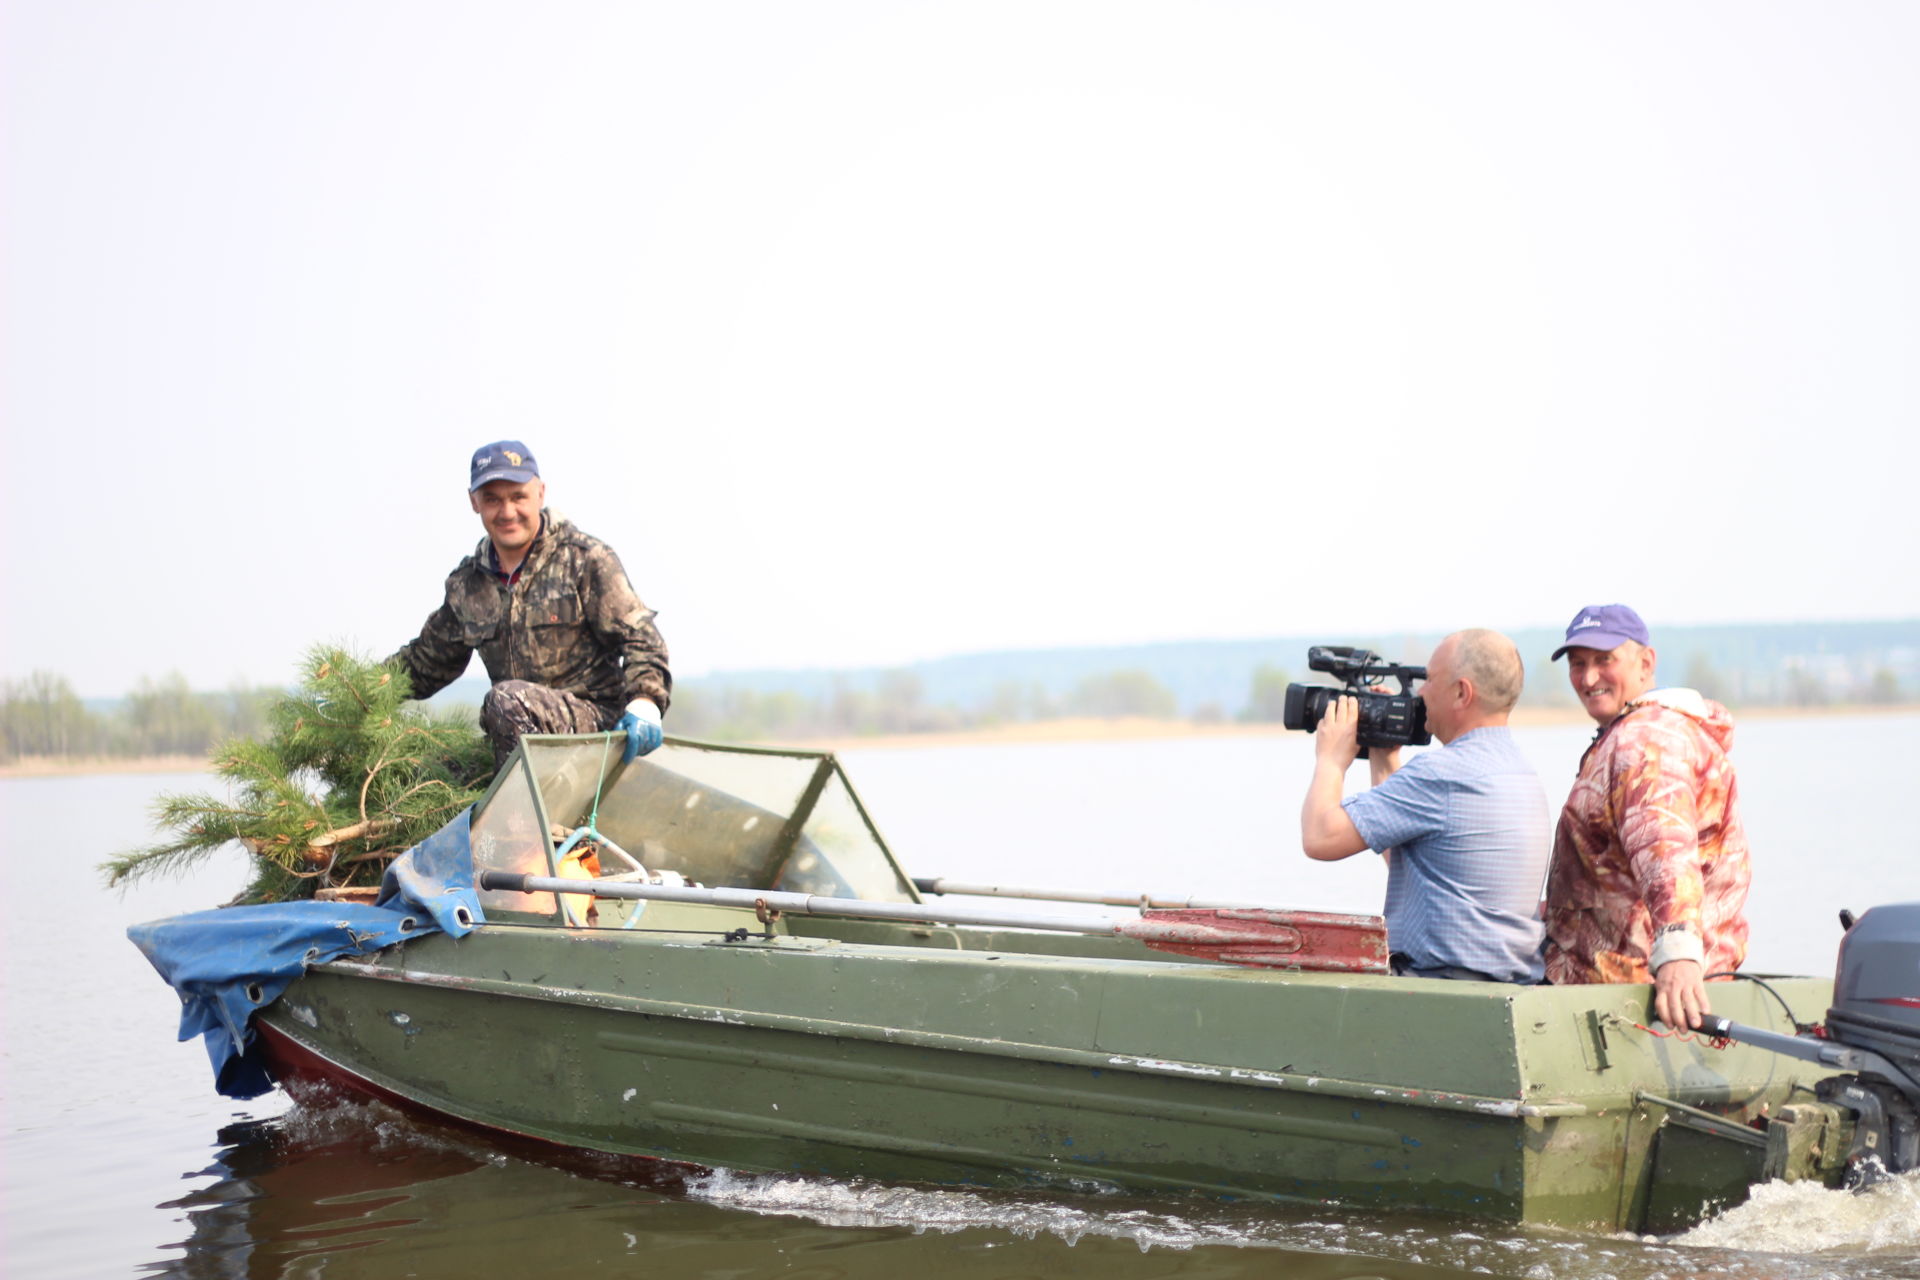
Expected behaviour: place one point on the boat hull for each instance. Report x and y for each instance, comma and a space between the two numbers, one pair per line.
1003, 1058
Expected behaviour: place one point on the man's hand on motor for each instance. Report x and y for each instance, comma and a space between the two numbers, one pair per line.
1337, 740
1680, 994
641, 724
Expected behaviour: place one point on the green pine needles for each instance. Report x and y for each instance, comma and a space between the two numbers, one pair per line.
346, 778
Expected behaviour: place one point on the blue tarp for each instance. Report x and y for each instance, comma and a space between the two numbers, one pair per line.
228, 962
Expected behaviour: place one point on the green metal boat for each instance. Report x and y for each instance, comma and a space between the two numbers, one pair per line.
776, 994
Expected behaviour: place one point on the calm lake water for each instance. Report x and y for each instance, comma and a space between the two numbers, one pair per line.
119, 1159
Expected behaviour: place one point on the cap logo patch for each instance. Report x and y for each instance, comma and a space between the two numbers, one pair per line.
1588, 621
511, 456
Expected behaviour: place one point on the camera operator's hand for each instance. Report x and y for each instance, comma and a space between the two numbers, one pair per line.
1337, 740
1326, 832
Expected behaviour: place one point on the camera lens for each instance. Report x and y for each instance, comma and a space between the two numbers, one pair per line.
1305, 704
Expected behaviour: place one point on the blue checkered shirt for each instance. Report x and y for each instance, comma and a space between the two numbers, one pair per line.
1467, 824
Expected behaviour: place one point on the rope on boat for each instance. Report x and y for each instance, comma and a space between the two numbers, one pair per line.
1799, 1028
1675, 1033
1688, 1037
592, 831
1723, 1042
600, 781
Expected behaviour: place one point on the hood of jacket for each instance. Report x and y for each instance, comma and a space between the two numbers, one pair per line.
1714, 720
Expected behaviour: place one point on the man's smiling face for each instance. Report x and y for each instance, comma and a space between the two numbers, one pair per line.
510, 511
1606, 680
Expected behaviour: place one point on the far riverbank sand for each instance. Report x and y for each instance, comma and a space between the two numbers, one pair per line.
1133, 728
74, 766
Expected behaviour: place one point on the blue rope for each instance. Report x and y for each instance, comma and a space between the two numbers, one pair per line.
593, 819
593, 829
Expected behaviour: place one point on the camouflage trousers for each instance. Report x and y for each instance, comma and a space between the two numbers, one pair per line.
514, 707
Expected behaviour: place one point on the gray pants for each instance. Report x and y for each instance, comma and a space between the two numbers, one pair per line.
1405, 968
514, 707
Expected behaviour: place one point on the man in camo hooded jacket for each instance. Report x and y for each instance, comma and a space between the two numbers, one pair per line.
568, 645
1650, 862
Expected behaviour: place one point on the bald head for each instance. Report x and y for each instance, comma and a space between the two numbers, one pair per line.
1492, 663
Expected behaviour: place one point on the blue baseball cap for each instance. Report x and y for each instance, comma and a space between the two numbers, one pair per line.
503, 460
1603, 626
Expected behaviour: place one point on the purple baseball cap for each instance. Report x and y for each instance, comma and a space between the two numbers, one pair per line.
1603, 626
502, 460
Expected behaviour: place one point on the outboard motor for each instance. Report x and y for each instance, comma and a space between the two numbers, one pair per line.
1872, 1035
1876, 988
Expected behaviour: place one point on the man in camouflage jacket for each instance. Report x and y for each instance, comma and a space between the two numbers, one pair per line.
568, 645
1650, 862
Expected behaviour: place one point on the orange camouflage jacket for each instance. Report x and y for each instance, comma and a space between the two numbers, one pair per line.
1650, 861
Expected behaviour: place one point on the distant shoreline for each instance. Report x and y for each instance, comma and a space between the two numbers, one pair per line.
1138, 728
78, 766
1129, 729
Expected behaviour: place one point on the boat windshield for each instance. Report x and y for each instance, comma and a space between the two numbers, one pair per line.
738, 817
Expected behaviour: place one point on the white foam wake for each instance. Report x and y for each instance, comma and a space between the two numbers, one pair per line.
1805, 1217
1798, 1232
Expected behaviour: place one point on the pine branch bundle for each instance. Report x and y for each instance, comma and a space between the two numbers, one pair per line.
347, 778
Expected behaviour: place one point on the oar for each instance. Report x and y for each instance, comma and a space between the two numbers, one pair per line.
941, 885
1257, 936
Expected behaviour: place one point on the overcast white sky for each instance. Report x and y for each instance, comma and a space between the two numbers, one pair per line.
869, 333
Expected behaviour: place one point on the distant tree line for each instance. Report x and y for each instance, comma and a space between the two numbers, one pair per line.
41, 716
897, 703
1795, 684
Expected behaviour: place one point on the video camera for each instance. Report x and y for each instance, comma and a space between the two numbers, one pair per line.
1386, 719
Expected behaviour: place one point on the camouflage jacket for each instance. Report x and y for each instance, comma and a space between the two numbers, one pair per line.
571, 622
1650, 860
